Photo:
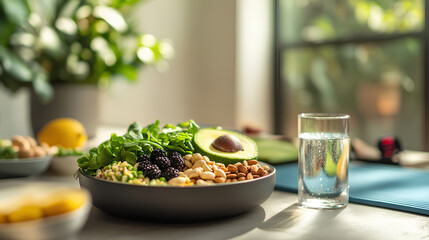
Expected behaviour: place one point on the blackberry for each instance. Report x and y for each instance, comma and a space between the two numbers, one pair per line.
144, 165
169, 173
143, 158
158, 152
162, 162
152, 172
177, 161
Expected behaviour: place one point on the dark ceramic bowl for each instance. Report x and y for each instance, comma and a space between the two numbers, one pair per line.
171, 203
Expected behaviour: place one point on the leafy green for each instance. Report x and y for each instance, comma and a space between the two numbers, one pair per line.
68, 152
6, 151
137, 141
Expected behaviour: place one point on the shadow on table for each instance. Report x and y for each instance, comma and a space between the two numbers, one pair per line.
105, 226
295, 215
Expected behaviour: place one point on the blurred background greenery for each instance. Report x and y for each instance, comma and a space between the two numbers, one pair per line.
45, 42
362, 57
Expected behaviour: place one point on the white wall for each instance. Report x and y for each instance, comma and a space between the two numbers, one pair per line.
200, 82
220, 74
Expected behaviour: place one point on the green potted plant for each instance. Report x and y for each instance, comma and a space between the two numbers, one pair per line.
50, 45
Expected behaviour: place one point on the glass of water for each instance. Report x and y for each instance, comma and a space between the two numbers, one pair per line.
324, 142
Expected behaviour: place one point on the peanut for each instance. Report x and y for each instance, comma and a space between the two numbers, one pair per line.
188, 164
206, 167
196, 157
201, 182
198, 163
31, 141
20, 142
220, 179
26, 153
220, 173
38, 151
177, 181
207, 175
188, 157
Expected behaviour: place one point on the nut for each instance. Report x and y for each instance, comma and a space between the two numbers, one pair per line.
198, 163
242, 179
177, 181
232, 168
234, 180
254, 169
240, 175
256, 176
252, 162
242, 169
260, 171
201, 182
249, 176
21, 142
206, 167
196, 157
245, 163
207, 176
38, 151
26, 153
188, 157
228, 180
231, 176
220, 173
219, 179
264, 173
188, 164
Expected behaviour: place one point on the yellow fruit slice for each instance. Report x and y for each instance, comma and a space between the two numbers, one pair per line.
26, 213
3, 218
64, 132
343, 161
63, 202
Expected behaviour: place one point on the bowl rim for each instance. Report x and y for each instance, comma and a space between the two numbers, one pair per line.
271, 174
26, 160
53, 219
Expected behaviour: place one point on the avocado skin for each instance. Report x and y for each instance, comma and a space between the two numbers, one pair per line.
204, 138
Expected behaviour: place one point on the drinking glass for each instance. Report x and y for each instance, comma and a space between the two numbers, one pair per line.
324, 142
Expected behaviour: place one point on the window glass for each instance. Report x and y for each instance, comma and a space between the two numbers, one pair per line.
319, 20
379, 84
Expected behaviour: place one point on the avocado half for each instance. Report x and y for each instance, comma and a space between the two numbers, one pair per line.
205, 137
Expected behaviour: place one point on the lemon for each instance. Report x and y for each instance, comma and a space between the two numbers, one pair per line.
342, 165
26, 213
64, 132
63, 202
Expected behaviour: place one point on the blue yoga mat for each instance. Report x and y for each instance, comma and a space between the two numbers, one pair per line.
374, 184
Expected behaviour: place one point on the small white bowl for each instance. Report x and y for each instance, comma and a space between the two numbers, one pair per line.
66, 165
49, 228
24, 167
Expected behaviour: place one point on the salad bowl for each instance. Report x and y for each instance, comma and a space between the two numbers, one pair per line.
176, 203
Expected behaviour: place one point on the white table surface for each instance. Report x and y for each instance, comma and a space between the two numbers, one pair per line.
277, 218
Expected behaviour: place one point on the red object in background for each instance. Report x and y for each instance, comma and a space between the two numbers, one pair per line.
389, 146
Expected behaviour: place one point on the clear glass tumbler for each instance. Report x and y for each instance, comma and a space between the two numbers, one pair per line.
324, 142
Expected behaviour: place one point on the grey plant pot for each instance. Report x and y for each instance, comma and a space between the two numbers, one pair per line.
76, 101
